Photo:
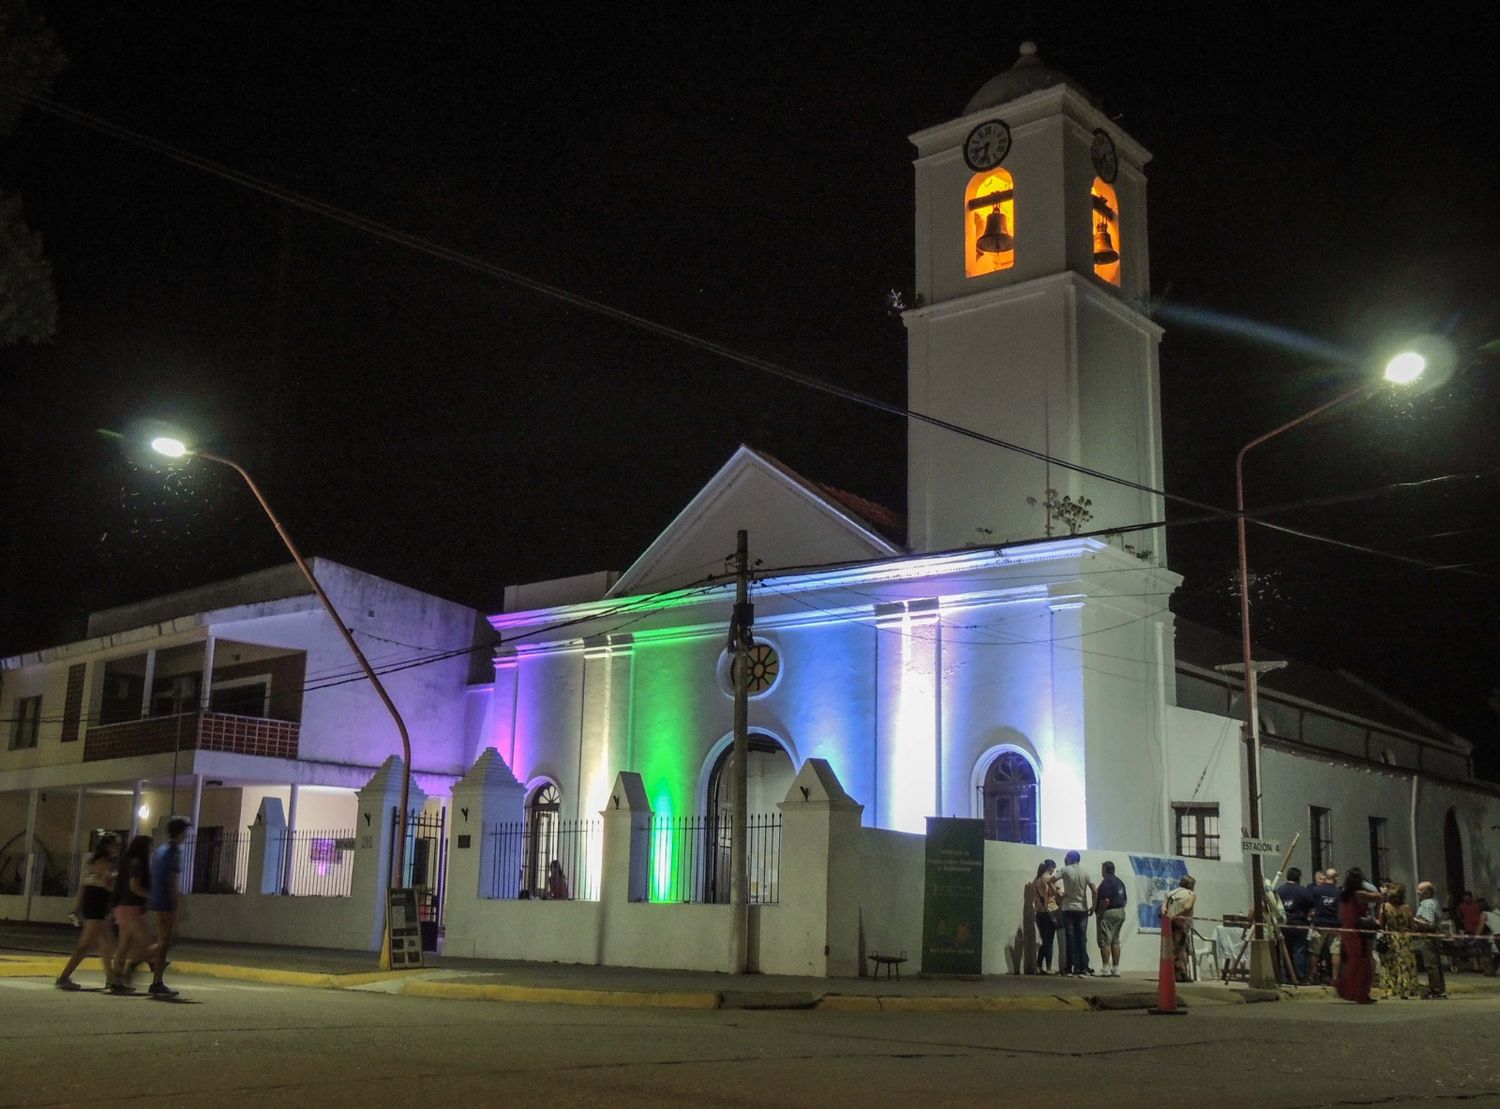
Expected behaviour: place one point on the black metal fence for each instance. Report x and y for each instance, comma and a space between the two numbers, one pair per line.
522, 854
315, 863
426, 867
692, 858
216, 862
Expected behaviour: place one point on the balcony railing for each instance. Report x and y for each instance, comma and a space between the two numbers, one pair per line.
192, 731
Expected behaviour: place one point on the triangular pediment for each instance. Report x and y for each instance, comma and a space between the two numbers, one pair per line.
791, 522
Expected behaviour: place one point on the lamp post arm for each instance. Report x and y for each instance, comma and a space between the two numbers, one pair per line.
398, 874
1252, 698
1252, 708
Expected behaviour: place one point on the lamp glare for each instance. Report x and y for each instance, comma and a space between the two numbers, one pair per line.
1405, 368
172, 448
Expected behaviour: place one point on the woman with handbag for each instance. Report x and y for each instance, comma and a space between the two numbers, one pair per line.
1042, 893
1398, 960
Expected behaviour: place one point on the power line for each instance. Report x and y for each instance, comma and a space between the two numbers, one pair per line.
436, 250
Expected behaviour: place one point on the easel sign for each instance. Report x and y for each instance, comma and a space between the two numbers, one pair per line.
405, 929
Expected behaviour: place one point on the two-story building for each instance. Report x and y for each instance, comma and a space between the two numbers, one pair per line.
206, 701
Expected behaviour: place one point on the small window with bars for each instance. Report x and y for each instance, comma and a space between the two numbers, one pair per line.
1380, 851
26, 718
1197, 831
1320, 824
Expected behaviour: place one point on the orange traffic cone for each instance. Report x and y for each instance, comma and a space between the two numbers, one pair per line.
1166, 975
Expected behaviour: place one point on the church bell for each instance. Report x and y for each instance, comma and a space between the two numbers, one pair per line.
996, 239
1104, 247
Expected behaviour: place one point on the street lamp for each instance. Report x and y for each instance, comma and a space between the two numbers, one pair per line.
1403, 369
174, 448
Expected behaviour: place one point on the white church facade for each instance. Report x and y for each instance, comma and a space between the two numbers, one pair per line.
982, 658
983, 661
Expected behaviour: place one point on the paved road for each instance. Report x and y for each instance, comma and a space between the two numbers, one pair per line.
230, 1043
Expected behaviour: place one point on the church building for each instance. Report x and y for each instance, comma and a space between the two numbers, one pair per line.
983, 658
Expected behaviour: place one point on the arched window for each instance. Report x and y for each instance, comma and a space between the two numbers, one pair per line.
1106, 209
989, 223
1009, 796
543, 814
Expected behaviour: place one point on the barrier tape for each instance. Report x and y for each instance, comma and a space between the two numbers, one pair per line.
1427, 934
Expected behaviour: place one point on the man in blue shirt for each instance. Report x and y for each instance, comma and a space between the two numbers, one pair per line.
1109, 913
1325, 921
1298, 905
166, 866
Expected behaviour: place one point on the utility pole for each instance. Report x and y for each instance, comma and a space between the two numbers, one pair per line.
739, 641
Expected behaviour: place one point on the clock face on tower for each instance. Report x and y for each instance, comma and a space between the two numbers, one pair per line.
987, 145
1106, 161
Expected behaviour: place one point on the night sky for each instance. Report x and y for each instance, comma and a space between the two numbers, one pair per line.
742, 174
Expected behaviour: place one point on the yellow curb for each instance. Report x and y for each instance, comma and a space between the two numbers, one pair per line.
33, 968
544, 995
857, 1003
275, 976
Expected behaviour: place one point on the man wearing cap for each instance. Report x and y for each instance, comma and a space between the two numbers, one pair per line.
1431, 943
166, 866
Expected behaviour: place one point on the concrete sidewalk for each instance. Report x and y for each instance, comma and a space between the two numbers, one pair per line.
34, 950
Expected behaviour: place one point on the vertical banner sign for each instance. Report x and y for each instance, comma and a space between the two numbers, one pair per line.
405, 927
953, 905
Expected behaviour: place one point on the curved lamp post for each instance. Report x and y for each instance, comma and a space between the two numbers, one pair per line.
173, 448
1403, 369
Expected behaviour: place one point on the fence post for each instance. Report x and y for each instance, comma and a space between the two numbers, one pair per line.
374, 838
267, 842
627, 842
819, 877
487, 795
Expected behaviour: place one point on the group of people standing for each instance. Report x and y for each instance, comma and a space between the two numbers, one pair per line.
1332, 931
116, 891
1061, 901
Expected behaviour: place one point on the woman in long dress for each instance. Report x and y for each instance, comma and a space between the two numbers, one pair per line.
1356, 969
1398, 965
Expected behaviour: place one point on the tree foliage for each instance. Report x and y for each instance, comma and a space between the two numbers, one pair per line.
29, 59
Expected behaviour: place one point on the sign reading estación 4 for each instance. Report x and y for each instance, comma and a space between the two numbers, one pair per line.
1260, 847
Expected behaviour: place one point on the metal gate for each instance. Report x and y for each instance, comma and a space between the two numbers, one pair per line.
426, 868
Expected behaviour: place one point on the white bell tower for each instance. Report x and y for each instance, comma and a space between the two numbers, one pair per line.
1031, 274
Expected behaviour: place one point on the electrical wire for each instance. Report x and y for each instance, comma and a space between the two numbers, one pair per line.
433, 249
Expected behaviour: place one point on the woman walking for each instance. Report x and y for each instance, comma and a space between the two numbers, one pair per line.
92, 906
131, 890
1356, 971
1041, 893
1398, 964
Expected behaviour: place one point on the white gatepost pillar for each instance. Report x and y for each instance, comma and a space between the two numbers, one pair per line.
819, 878
374, 841
486, 797
267, 843
627, 816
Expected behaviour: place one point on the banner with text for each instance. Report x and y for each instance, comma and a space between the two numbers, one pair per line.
953, 905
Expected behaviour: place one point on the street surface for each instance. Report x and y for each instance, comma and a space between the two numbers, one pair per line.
232, 1043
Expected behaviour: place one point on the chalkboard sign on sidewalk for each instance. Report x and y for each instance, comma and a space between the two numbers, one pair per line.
405, 928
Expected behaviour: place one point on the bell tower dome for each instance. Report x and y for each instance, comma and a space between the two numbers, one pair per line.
1031, 273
